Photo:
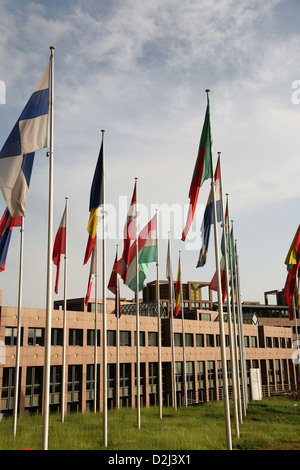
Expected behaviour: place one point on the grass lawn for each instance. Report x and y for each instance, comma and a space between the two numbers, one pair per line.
270, 424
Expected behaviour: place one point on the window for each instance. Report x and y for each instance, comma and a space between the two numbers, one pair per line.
142, 338
211, 373
90, 339
268, 342
111, 338
153, 374
246, 340
253, 342
75, 337
189, 340
190, 375
178, 372
125, 338
200, 374
205, 316
200, 340
178, 339
152, 339
35, 336
34, 381
275, 343
11, 336
56, 336
210, 341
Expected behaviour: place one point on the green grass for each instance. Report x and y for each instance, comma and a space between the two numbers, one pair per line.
269, 424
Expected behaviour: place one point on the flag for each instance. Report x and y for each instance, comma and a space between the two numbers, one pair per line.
178, 289
93, 271
208, 218
202, 171
6, 225
147, 253
96, 200
292, 262
29, 134
214, 284
114, 287
59, 247
121, 266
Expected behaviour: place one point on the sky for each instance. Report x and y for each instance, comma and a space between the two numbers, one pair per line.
139, 70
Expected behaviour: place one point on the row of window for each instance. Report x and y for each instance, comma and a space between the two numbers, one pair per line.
36, 338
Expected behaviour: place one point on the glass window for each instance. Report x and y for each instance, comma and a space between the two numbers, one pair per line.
35, 336
200, 340
125, 338
152, 339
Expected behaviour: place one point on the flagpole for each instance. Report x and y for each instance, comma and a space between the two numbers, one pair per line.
240, 333
118, 336
104, 327
158, 327
183, 337
232, 352
63, 393
49, 266
296, 327
242, 340
96, 326
17, 367
232, 270
138, 385
221, 319
171, 288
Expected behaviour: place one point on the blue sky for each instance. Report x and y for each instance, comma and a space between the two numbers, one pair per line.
139, 70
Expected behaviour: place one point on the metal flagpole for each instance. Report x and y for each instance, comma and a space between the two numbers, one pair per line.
240, 331
232, 351
171, 289
221, 320
104, 310
49, 267
96, 324
232, 269
242, 327
118, 337
138, 385
183, 337
296, 310
63, 391
158, 326
17, 367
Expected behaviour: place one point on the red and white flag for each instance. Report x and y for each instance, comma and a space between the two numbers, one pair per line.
59, 246
121, 267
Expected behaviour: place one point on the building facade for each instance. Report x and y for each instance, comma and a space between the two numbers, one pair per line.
268, 347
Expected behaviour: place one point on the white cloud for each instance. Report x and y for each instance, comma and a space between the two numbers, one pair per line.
140, 70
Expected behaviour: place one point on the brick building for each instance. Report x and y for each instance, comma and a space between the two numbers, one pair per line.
268, 347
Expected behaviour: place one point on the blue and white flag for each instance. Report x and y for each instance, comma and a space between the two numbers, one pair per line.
29, 134
208, 218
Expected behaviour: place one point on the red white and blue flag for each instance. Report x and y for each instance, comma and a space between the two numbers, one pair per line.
208, 218
6, 225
